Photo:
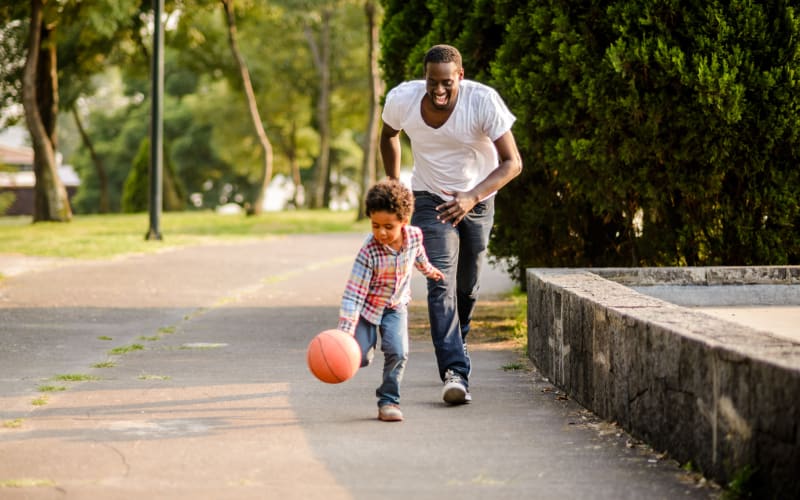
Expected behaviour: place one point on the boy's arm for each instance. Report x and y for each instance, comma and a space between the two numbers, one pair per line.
424, 265
355, 293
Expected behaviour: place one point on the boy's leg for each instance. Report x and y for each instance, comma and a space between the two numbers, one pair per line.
367, 337
394, 344
441, 243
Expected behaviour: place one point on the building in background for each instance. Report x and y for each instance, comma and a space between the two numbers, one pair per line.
17, 180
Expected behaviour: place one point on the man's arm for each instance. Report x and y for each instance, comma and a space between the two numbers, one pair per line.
510, 166
390, 151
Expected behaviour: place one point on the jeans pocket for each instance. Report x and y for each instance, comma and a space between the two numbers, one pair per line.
479, 209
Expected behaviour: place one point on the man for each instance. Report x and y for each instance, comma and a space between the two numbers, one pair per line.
464, 151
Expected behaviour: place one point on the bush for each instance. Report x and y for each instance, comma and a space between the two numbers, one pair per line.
652, 133
136, 191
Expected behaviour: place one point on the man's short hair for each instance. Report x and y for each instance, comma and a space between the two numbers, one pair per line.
442, 54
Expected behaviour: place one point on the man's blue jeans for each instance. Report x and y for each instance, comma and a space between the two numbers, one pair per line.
459, 253
394, 345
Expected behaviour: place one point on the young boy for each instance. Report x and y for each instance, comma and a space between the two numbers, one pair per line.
378, 291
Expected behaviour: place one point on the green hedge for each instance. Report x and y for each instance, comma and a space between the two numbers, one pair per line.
652, 132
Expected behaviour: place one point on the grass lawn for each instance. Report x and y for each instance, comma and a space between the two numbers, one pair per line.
102, 236
498, 322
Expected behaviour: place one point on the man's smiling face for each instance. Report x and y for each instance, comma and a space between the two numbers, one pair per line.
441, 82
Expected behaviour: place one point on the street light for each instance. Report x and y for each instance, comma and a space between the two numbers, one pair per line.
156, 124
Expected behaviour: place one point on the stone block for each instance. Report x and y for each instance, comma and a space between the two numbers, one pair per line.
718, 394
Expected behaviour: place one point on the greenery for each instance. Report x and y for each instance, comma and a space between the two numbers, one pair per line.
126, 349
40, 401
741, 485
51, 388
314, 58
27, 483
136, 190
99, 236
75, 377
496, 321
12, 424
652, 133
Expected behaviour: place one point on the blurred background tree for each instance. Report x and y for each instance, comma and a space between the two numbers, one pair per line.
105, 86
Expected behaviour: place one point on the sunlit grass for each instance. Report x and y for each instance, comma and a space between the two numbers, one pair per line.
26, 483
496, 320
100, 236
13, 424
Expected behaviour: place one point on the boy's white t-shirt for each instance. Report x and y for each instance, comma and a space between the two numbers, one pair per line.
459, 154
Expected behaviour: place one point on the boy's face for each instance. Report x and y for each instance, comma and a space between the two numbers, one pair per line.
387, 228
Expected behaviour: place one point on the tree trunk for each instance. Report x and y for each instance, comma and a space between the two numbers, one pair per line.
40, 101
252, 106
322, 61
99, 166
298, 197
368, 174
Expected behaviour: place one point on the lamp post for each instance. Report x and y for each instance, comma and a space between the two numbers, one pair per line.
156, 125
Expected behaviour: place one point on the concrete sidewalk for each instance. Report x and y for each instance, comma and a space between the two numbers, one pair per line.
200, 390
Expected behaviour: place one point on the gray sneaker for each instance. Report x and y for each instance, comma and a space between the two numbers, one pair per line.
455, 390
390, 413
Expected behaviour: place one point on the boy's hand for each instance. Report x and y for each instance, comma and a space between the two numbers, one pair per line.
437, 275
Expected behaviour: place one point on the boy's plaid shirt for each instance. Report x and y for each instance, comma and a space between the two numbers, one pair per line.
381, 278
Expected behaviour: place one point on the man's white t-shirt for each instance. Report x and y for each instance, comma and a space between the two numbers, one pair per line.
459, 154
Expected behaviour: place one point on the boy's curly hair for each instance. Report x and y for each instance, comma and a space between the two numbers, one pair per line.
392, 196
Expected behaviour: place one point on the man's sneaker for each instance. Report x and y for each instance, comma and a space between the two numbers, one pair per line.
455, 390
390, 413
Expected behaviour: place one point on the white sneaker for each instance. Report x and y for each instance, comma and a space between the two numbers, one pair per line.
455, 390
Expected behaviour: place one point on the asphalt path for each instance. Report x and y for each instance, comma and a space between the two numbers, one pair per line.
198, 389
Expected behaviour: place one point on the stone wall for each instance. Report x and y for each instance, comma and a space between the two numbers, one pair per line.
719, 395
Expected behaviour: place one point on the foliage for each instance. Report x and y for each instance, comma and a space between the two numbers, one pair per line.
652, 133
104, 51
136, 191
7, 199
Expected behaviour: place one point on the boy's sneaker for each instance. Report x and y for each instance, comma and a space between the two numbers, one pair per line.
390, 413
455, 390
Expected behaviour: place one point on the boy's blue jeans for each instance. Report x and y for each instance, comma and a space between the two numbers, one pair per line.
459, 253
394, 344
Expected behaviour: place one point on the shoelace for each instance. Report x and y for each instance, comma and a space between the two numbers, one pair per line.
451, 376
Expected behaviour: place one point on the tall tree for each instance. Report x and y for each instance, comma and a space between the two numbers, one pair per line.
87, 44
40, 100
252, 105
368, 174
320, 44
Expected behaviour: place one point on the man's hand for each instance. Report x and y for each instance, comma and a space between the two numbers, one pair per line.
457, 208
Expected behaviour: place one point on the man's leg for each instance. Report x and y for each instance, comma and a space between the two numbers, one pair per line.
441, 245
473, 232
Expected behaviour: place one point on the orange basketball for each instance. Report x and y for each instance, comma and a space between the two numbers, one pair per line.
333, 356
